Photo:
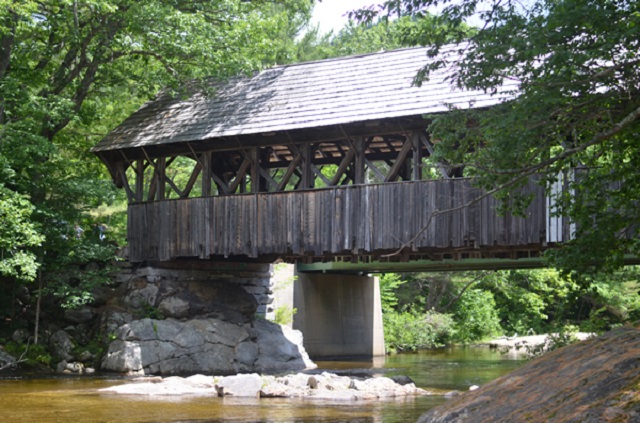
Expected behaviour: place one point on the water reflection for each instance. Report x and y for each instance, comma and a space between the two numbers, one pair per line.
77, 399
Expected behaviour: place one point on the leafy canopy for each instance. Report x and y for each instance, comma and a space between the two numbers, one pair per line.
71, 70
577, 107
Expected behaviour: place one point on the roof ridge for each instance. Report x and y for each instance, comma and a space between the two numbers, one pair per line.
349, 57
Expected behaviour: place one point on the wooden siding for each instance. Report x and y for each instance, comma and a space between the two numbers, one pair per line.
358, 219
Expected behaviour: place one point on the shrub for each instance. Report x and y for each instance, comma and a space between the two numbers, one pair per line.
284, 315
31, 354
476, 316
410, 331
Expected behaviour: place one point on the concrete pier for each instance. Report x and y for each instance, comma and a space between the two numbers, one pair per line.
340, 315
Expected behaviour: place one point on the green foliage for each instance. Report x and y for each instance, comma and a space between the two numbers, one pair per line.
577, 105
486, 304
72, 71
530, 300
85, 264
18, 236
611, 299
284, 315
476, 316
32, 354
410, 331
376, 36
389, 283
151, 312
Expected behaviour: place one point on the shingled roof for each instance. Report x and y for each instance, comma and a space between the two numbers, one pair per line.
300, 96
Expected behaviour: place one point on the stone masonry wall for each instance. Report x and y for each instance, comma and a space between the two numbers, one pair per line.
254, 278
186, 317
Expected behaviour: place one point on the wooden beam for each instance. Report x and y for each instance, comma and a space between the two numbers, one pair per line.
416, 165
139, 180
222, 186
320, 175
342, 167
192, 180
359, 146
375, 170
160, 166
306, 172
254, 156
289, 173
153, 186
271, 184
397, 166
125, 182
430, 148
206, 173
242, 171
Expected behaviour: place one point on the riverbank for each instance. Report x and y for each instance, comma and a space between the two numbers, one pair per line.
531, 341
56, 398
595, 380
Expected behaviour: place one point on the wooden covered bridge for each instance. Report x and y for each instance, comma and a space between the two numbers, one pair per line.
326, 161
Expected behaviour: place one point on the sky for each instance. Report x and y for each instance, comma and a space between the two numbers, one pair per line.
330, 14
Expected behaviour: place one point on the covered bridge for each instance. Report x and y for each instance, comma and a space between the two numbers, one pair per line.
318, 161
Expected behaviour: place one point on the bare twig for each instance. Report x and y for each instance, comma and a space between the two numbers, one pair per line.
20, 359
467, 286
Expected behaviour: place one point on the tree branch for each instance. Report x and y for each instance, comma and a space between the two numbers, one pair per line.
467, 286
20, 359
525, 173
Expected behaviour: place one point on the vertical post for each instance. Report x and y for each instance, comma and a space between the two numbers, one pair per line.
139, 180
160, 174
417, 157
307, 176
206, 174
264, 158
254, 153
358, 143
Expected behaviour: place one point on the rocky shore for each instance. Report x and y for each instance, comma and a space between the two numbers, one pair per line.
596, 380
324, 386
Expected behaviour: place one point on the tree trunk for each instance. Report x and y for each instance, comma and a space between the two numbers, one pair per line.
37, 324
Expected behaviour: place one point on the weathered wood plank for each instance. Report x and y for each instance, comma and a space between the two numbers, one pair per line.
347, 220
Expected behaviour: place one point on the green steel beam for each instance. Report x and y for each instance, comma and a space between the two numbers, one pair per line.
422, 265
432, 265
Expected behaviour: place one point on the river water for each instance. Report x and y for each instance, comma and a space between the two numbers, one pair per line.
76, 399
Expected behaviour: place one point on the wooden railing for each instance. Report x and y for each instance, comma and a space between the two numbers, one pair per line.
356, 219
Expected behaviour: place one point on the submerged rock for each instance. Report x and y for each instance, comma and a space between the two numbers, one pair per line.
326, 386
596, 380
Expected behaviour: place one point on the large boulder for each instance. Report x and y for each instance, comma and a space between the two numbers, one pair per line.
79, 315
279, 348
6, 360
591, 381
205, 345
62, 345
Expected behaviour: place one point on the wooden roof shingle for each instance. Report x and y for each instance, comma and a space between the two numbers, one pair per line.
301, 96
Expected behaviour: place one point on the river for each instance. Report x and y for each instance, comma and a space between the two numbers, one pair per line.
76, 399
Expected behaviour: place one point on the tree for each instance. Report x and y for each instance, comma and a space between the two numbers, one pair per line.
18, 236
575, 114
381, 34
70, 70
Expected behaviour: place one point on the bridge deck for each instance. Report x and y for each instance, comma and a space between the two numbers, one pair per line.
325, 224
